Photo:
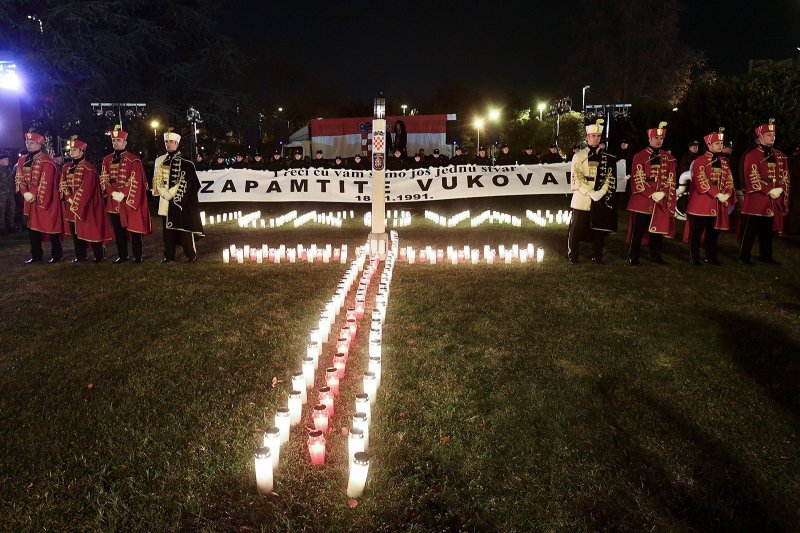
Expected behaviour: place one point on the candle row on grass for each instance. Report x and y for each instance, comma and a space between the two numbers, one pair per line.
400, 219
219, 218
474, 256
495, 216
560, 217
444, 221
298, 253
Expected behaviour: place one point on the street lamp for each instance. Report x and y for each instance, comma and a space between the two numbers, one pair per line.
403, 107
478, 123
583, 103
540, 107
154, 124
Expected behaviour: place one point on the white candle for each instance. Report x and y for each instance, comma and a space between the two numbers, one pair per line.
283, 422
263, 463
295, 406
355, 442
272, 440
363, 406
240, 256
299, 384
358, 475
360, 422
374, 366
308, 371
539, 254
371, 386
226, 256
375, 347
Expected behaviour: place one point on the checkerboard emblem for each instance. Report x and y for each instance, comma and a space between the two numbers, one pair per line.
377, 141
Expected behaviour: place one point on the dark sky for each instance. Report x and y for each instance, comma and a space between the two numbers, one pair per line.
410, 48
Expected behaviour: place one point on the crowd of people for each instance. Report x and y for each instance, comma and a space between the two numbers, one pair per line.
655, 184
95, 206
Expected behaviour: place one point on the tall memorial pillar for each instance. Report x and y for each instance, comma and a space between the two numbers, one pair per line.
379, 239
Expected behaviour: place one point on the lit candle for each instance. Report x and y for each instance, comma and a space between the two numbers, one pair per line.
370, 385
332, 380
299, 384
355, 442
263, 470
363, 406
259, 257
283, 422
295, 405
308, 372
351, 323
316, 447
360, 422
325, 397
374, 347
312, 351
272, 440
375, 368
240, 256
539, 254
339, 363
226, 256
359, 468
320, 417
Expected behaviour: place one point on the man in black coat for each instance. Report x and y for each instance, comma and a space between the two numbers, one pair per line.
276, 163
459, 158
481, 158
505, 157
528, 157
552, 156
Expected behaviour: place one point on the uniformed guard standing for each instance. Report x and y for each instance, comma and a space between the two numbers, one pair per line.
459, 158
505, 157
594, 182
766, 194
481, 158
125, 186
37, 180
175, 183
527, 157
710, 196
652, 201
84, 215
276, 163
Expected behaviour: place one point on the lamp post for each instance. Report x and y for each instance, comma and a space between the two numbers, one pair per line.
403, 107
379, 239
478, 123
154, 124
494, 116
583, 102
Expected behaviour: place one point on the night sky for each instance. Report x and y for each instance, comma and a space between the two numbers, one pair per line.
410, 48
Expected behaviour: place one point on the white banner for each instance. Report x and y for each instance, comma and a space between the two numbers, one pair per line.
354, 186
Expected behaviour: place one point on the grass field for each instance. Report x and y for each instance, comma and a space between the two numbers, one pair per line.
514, 397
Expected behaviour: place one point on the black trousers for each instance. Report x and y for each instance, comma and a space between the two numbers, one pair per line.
699, 225
121, 238
641, 223
579, 227
171, 239
81, 246
35, 238
761, 226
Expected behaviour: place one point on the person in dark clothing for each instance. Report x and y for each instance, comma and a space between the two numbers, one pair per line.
575, 149
397, 161
240, 162
258, 162
276, 163
688, 157
481, 158
400, 138
527, 157
437, 159
418, 162
338, 163
218, 163
318, 161
200, 163
298, 161
505, 157
459, 158
359, 163
552, 156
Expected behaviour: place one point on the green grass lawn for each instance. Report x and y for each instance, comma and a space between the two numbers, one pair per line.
537, 397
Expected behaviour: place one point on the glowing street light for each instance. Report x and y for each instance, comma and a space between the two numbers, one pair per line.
494, 115
403, 107
540, 107
478, 123
154, 124
9, 80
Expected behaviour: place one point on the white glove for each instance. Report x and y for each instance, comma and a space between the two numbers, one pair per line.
657, 196
597, 195
774, 193
28, 196
166, 195
722, 197
117, 196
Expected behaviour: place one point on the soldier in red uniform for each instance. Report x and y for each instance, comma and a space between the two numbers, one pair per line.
710, 197
124, 185
652, 201
766, 194
37, 180
84, 217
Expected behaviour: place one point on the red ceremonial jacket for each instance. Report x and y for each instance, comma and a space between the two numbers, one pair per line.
705, 186
760, 176
41, 180
83, 203
128, 177
650, 176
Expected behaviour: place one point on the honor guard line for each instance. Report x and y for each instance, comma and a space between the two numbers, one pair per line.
413, 185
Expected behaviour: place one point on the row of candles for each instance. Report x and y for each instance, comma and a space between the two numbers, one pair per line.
400, 219
220, 218
442, 220
495, 216
299, 253
456, 256
255, 219
303, 381
561, 217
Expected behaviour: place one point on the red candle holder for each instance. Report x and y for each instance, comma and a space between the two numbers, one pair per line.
339, 363
320, 417
325, 398
332, 380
